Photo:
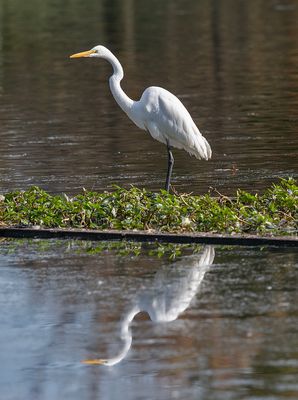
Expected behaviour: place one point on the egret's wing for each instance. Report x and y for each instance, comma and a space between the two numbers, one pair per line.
169, 121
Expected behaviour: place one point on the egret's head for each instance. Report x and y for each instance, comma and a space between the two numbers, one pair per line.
97, 51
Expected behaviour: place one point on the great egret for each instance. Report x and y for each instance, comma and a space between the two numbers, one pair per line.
158, 111
169, 295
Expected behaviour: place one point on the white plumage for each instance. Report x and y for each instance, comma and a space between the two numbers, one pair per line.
158, 111
167, 120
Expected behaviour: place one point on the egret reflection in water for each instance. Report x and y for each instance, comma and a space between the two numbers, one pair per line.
170, 293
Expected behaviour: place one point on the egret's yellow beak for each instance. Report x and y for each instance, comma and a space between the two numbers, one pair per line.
82, 54
94, 362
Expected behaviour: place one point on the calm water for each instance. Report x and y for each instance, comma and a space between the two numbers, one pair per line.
218, 324
233, 64
221, 323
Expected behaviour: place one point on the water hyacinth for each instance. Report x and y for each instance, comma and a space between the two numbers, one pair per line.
274, 212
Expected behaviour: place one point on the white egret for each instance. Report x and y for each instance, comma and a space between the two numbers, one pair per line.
158, 111
168, 296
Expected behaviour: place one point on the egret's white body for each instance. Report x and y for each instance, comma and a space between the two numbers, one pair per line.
158, 111
169, 295
169, 122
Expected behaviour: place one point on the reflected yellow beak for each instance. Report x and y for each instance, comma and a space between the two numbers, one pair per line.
82, 54
98, 361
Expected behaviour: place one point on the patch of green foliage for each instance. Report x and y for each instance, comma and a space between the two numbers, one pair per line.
273, 212
170, 251
121, 248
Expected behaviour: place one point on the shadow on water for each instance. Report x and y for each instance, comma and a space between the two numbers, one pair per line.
234, 65
228, 331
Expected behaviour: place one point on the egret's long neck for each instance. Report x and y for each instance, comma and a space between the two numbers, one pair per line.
126, 336
122, 99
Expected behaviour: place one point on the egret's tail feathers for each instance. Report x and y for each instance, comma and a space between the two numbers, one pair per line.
194, 143
208, 151
202, 149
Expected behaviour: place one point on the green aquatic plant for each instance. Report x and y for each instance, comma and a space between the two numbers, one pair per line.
273, 212
119, 248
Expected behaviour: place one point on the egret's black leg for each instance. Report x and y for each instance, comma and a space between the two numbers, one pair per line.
170, 167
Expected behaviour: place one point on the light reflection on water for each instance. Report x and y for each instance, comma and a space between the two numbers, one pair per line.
62, 302
233, 65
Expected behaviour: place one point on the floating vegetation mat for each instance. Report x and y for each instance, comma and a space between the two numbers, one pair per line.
274, 212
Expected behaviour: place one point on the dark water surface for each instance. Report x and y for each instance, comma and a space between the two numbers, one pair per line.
223, 323
233, 63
